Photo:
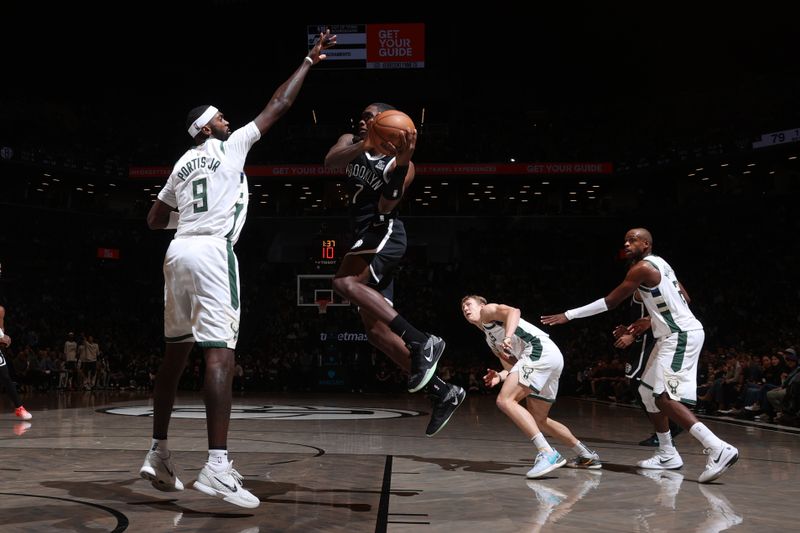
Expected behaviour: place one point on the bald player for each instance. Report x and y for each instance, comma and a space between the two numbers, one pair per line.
670, 378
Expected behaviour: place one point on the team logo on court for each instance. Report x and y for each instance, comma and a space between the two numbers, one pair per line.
673, 385
272, 412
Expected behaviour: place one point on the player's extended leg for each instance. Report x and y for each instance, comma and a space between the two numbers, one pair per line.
167, 378
426, 350
217, 395
445, 397
218, 477
351, 282
507, 401
381, 337
11, 390
157, 467
721, 455
585, 458
666, 457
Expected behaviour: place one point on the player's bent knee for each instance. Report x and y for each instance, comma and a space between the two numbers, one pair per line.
648, 400
502, 403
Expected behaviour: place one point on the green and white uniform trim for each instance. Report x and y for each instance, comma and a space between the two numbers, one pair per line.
535, 358
209, 188
669, 312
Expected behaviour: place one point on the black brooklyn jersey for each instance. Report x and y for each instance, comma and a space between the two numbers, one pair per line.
366, 177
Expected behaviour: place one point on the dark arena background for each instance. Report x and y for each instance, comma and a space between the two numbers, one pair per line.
541, 141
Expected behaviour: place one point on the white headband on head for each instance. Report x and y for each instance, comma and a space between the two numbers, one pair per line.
204, 119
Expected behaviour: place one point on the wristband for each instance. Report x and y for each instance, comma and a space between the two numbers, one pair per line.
393, 189
310, 61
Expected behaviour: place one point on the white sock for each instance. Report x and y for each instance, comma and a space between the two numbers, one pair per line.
704, 435
160, 447
541, 443
218, 459
582, 450
665, 441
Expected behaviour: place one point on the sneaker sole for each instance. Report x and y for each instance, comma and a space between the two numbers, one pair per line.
552, 467
210, 491
431, 371
580, 467
153, 479
730, 463
651, 467
448, 418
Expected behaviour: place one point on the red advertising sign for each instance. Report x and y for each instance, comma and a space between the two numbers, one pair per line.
108, 253
395, 45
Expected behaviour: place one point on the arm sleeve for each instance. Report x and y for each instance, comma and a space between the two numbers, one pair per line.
594, 308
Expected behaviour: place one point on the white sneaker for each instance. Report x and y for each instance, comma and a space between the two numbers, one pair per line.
226, 485
545, 463
160, 473
719, 460
662, 460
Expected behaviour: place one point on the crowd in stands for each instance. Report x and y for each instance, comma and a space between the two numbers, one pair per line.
740, 276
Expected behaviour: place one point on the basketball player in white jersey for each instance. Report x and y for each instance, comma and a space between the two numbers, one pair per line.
638, 360
532, 365
205, 198
670, 377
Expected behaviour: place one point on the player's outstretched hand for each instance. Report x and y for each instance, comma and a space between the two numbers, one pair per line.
325, 41
554, 320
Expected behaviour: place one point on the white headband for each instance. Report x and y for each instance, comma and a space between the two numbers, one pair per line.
204, 119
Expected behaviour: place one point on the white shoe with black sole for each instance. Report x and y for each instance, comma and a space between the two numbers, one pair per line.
719, 460
226, 485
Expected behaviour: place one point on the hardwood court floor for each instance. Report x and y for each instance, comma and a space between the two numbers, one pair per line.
347, 462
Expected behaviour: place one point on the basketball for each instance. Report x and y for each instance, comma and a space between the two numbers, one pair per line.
387, 126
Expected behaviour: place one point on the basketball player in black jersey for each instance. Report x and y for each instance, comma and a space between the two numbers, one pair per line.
376, 183
638, 359
5, 378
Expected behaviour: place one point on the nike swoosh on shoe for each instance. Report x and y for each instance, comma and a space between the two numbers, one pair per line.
232, 489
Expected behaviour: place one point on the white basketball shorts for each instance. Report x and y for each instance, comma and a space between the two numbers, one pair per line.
540, 368
201, 292
672, 367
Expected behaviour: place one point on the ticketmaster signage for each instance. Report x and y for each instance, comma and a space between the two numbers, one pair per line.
344, 336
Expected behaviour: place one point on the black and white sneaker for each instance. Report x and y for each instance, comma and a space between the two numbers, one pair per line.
444, 409
719, 460
424, 358
160, 472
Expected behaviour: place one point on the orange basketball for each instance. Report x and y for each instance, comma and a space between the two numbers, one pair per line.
387, 127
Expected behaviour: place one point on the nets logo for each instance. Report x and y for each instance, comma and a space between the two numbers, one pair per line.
272, 412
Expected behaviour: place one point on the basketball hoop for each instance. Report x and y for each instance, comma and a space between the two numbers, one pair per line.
322, 306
